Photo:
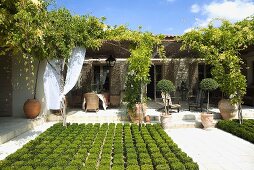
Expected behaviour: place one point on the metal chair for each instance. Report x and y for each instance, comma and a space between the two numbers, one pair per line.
169, 104
197, 102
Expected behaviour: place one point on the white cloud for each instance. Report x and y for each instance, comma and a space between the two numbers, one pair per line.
233, 10
188, 30
195, 8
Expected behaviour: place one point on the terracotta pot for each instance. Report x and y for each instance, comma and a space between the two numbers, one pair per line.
137, 115
207, 119
166, 121
227, 110
147, 119
32, 108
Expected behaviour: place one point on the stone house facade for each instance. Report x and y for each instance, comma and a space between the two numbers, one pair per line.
181, 67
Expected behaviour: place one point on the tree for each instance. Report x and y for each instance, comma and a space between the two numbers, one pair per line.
29, 29
208, 84
220, 47
166, 87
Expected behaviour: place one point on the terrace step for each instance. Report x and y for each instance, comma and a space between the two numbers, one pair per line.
186, 115
13, 127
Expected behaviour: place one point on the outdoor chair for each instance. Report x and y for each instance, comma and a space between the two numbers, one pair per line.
91, 102
196, 101
169, 104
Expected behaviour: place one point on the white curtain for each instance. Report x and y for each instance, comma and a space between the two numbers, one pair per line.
52, 77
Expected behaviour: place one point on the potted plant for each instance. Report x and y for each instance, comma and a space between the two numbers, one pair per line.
32, 107
132, 97
220, 47
166, 87
208, 84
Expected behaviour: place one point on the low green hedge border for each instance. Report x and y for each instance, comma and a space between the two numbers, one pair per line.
244, 131
106, 146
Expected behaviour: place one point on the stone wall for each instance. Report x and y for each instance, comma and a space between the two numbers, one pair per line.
182, 70
5, 86
87, 77
118, 78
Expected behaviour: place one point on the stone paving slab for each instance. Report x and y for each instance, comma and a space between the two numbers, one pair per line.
214, 149
17, 142
11, 127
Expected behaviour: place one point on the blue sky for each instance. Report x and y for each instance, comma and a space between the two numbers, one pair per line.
170, 17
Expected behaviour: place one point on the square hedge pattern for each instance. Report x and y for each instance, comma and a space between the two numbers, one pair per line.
244, 131
101, 146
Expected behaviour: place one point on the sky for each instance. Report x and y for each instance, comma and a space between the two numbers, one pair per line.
169, 17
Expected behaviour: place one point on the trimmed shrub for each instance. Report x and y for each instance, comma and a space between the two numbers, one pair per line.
162, 167
177, 166
118, 161
147, 167
191, 166
42, 168
131, 156
104, 167
117, 167
129, 146
133, 167
132, 162
244, 131
71, 168
144, 161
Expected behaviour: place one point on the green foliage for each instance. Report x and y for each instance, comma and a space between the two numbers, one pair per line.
191, 166
82, 158
244, 131
133, 167
166, 86
147, 167
162, 167
138, 66
220, 47
177, 166
31, 30
209, 84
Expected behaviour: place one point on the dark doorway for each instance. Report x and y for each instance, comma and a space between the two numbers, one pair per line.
150, 86
5, 86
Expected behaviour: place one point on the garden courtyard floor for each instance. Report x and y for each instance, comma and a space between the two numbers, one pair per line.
212, 149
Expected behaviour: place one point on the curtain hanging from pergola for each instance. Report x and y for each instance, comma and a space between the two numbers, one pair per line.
52, 75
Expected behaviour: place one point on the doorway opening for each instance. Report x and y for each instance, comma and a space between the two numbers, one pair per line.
155, 76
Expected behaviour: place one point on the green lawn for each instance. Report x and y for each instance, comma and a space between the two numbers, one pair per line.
244, 131
104, 147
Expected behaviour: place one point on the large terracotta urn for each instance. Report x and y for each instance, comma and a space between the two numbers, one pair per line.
166, 121
207, 119
32, 108
227, 110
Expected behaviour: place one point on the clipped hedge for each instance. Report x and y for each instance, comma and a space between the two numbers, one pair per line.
244, 131
106, 146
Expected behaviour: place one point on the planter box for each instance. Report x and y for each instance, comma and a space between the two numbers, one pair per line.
115, 100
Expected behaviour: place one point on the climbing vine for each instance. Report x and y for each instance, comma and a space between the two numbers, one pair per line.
33, 32
221, 47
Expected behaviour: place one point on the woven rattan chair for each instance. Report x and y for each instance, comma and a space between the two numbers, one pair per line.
91, 102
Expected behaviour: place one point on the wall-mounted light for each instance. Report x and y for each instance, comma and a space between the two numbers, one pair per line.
111, 61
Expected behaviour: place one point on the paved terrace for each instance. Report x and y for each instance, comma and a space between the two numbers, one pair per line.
213, 149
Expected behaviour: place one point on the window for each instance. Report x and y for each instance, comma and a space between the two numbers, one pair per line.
100, 79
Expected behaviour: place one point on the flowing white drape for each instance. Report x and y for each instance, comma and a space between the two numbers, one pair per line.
52, 78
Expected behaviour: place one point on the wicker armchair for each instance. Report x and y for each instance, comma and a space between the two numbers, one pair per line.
91, 102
